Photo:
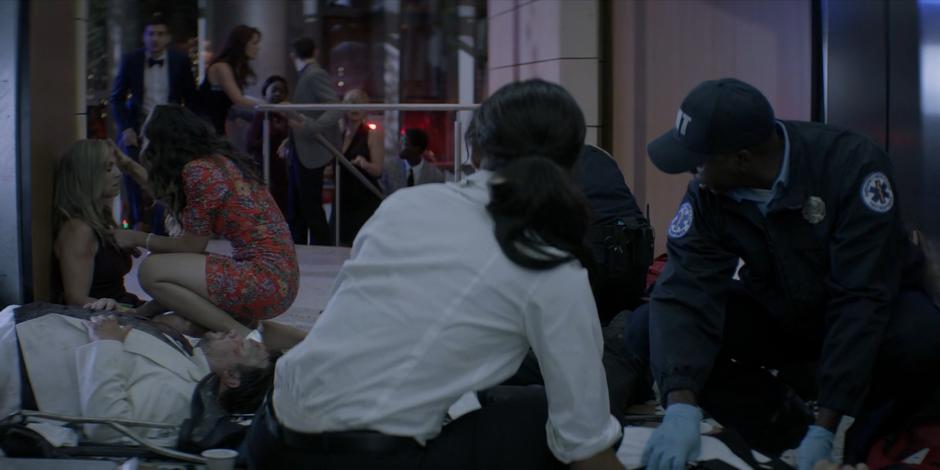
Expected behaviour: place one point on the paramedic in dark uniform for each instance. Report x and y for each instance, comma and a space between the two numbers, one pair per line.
828, 275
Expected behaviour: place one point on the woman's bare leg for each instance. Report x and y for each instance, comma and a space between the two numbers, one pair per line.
178, 282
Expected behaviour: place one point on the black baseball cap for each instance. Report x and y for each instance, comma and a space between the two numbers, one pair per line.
717, 116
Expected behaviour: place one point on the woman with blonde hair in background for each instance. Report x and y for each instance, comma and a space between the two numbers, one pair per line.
90, 266
364, 147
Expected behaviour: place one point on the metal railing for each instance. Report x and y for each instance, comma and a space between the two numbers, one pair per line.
339, 157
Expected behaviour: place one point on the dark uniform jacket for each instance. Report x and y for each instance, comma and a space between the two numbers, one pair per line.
600, 180
828, 260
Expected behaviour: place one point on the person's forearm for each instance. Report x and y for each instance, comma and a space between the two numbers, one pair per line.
135, 170
280, 337
686, 397
150, 309
184, 244
372, 169
160, 244
605, 460
828, 418
245, 109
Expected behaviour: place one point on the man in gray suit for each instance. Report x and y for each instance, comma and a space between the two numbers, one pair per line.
308, 156
410, 168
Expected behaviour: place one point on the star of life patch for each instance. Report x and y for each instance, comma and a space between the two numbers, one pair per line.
876, 192
681, 222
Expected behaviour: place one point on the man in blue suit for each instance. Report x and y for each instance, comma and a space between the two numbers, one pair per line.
155, 74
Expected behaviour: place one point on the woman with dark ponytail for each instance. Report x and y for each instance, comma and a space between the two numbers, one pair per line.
448, 287
227, 76
540, 217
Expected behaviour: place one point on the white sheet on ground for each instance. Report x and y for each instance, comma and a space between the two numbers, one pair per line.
634, 440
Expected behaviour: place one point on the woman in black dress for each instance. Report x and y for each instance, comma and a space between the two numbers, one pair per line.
363, 146
89, 265
227, 76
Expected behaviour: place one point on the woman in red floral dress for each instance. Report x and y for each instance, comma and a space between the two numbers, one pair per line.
214, 191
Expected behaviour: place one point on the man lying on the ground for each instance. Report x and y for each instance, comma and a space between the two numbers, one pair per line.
103, 367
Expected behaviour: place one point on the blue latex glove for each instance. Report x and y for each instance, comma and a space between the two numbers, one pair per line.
816, 446
676, 440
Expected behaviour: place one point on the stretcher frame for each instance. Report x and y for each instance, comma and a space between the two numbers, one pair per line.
120, 425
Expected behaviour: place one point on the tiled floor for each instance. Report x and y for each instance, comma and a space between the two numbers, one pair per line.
318, 268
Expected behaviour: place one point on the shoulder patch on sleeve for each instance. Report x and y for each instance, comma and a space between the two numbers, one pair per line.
876, 192
681, 222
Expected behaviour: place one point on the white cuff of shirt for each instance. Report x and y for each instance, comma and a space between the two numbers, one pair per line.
568, 451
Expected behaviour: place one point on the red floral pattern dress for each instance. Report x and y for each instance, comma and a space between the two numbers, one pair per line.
260, 279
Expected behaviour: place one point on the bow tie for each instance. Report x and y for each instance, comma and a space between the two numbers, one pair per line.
152, 62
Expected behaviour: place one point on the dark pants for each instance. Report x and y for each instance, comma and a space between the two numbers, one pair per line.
507, 433
306, 190
767, 410
139, 207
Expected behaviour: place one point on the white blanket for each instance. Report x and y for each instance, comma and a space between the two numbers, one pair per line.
635, 437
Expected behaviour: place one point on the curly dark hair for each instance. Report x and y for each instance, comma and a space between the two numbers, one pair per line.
530, 134
176, 136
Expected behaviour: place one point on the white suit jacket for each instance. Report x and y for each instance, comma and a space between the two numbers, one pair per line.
142, 379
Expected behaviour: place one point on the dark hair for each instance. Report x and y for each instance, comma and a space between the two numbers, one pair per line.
157, 18
417, 137
233, 53
176, 136
254, 383
270, 81
530, 134
304, 47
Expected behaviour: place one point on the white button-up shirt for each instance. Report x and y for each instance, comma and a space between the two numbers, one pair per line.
428, 308
156, 84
